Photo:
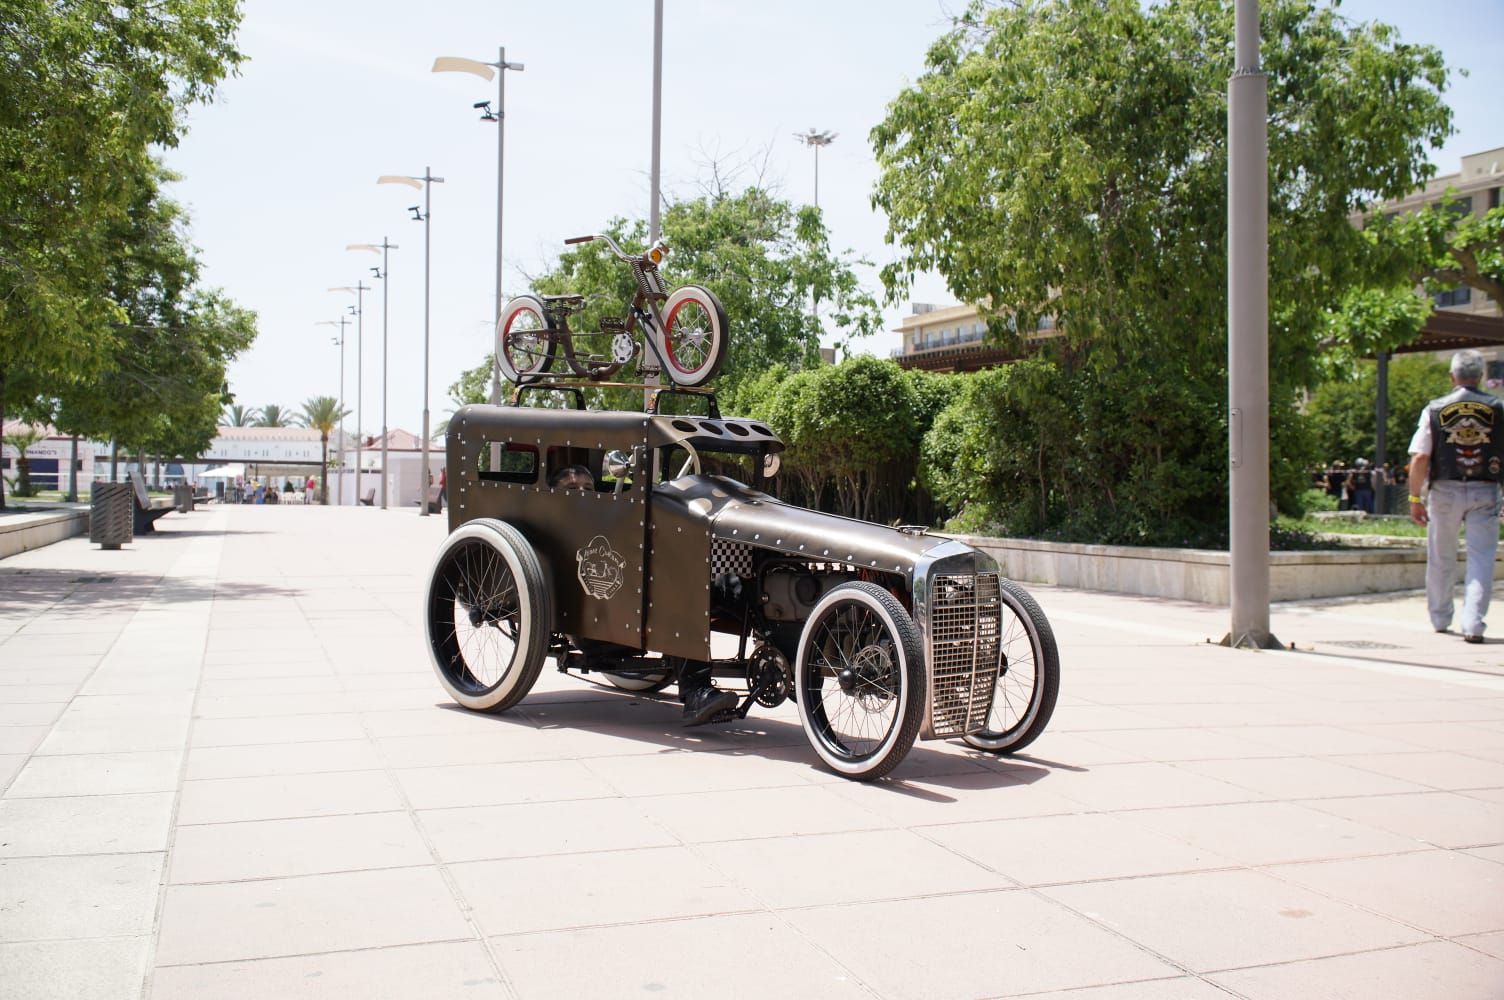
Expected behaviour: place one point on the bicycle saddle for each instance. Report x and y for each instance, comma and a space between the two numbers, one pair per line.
565, 300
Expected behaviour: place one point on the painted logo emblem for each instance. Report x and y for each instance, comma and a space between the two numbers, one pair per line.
599, 568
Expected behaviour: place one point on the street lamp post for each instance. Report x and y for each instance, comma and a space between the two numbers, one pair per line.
382, 274
339, 483
816, 139
425, 182
485, 70
359, 290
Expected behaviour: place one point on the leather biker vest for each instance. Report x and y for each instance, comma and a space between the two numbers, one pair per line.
1467, 436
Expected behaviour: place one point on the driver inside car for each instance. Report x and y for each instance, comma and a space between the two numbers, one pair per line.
572, 477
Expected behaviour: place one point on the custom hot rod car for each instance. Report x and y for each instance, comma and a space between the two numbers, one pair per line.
881, 635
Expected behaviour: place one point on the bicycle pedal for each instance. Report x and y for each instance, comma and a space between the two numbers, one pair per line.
724, 715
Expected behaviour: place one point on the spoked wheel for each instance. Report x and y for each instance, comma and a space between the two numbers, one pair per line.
860, 681
524, 343
1028, 683
694, 335
489, 614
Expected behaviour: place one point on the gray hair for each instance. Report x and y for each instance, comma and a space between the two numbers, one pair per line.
1467, 366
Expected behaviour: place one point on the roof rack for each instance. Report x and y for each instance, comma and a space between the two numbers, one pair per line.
712, 407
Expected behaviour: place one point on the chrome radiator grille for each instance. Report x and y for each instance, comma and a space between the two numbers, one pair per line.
964, 636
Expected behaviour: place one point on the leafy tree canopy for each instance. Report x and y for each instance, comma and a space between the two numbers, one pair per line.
89, 87
1068, 158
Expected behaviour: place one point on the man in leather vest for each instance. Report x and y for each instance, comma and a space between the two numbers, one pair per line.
1459, 450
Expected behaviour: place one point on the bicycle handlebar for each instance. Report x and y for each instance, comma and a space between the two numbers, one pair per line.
620, 253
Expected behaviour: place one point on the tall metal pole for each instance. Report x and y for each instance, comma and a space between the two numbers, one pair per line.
501, 145
386, 283
1381, 435
340, 482
360, 370
428, 181
1248, 336
655, 161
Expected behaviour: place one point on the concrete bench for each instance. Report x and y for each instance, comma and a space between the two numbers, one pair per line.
148, 508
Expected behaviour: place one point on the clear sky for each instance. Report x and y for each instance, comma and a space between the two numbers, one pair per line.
280, 172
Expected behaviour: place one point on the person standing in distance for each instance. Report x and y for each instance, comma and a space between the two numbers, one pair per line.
1459, 450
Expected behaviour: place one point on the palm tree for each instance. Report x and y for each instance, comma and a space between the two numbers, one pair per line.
323, 413
242, 416
21, 437
273, 415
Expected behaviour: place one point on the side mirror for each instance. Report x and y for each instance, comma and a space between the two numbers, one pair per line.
771, 463
618, 464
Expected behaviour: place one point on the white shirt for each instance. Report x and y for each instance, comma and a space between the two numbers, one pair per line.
1420, 444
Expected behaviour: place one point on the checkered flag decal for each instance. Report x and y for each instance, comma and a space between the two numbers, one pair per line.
730, 557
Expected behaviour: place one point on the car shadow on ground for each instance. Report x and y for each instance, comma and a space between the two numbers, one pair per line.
654, 721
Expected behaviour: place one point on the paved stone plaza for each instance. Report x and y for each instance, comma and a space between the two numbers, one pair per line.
229, 772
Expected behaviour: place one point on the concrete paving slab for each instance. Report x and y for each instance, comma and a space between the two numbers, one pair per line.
282, 917
1231, 919
1436, 970
1445, 892
98, 774
314, 845
286, 796
99, 969
452, 971
52, 898
581, 890
85, 824
970, 945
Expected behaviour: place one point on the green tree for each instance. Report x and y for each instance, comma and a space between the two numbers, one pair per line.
273, 415
90, 87
1067, 158
1341, 413
323, 414
237, 415
22, 437
161, 386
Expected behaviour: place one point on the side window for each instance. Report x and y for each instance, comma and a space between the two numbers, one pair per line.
507, 462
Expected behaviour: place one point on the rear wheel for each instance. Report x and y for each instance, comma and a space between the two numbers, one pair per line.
489, 614
524, 343
1028, 683
859, 681
695, 329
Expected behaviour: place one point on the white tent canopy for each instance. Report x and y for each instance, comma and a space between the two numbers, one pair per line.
232, 471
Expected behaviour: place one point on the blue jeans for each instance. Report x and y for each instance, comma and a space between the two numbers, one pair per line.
1473, 507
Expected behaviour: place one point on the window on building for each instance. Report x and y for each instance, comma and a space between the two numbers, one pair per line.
1455, 297
1493, 198
1496, 371
1460, 207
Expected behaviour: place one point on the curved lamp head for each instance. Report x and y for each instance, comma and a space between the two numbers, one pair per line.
411, 182
344, 288
363, 246
454, 64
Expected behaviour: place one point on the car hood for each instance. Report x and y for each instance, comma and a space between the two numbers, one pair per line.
739, 514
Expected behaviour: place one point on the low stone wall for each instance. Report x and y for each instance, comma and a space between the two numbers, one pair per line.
1201, 575
24, 531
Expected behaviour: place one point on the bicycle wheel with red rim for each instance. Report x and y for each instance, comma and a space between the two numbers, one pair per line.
524, 343
695, 329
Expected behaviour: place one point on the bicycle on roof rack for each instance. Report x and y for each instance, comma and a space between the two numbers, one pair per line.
685, 329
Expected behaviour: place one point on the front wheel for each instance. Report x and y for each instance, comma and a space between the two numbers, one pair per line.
1028, 682
859, 681
695, 329
524, 344
489, 614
